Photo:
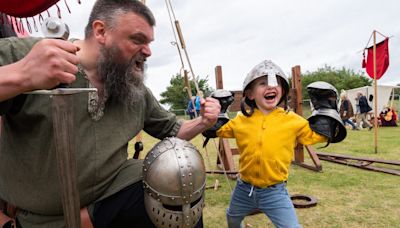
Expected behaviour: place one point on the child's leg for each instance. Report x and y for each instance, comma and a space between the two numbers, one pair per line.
275, 202
241, 204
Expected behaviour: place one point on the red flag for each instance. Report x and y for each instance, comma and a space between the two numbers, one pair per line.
12, 12
23, 8
382, 59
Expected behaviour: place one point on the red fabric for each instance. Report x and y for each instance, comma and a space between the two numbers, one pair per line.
18, 27
382, 59
25, 8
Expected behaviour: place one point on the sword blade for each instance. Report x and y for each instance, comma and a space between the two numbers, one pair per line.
63, 128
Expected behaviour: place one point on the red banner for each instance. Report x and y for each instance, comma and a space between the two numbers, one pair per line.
382, 59
24, 8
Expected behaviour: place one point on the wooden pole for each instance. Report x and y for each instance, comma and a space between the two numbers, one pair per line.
218, 79
375, 97
224, 150
187, 84
296, 85
189, 90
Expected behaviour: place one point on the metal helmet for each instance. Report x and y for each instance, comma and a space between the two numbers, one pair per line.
323, 86
323, 95
174, 182
272, 71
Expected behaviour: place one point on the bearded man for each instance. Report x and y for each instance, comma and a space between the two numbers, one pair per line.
112, 59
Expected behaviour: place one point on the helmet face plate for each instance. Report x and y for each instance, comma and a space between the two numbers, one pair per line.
174, 182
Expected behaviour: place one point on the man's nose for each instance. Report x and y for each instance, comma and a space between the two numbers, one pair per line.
146, 50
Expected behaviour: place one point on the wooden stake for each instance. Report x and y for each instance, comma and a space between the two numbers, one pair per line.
218, 78
298, 108
216, 184
375, 97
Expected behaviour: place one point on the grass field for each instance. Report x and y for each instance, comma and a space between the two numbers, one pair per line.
347, 196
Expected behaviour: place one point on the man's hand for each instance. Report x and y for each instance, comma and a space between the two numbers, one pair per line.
49, 63
209, 111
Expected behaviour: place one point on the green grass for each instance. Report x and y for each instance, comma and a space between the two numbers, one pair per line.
347, 196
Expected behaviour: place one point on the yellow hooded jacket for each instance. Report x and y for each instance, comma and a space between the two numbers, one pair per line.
266, 144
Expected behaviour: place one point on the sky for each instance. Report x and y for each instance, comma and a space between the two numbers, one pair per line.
238, 34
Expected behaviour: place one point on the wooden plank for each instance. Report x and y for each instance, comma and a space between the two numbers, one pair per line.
314, 157
296, 84
369, 167
297, 96
226, 155
390, 162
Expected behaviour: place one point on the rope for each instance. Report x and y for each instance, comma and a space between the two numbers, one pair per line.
366, 46
176, 40
223, 167
169, 9
183, 46
172, 17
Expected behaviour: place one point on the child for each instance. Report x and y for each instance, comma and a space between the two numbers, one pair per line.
266, 135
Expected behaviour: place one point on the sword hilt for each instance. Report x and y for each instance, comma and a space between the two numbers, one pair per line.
55, 28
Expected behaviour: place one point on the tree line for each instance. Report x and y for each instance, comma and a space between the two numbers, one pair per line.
176, 96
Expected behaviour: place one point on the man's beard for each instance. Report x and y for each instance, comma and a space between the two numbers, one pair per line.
122, 84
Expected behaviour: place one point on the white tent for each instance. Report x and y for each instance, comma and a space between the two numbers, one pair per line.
383, 94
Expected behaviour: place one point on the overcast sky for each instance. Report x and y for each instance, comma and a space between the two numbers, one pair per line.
238, 34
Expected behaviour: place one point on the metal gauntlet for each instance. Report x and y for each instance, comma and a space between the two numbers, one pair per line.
325, 118
225, 99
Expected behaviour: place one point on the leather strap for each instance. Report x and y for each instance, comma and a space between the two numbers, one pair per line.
86, 222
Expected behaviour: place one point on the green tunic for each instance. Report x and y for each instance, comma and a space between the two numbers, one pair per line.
28, 173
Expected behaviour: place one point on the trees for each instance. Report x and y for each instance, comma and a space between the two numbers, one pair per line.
341, 79
176, 95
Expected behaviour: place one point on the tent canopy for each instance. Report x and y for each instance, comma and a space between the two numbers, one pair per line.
383, 94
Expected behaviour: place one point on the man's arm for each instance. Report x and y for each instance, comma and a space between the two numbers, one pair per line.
210, 109
49, 63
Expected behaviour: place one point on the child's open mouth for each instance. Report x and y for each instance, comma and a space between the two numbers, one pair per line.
270, 96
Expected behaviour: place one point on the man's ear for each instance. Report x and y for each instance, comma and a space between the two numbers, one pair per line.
99, 31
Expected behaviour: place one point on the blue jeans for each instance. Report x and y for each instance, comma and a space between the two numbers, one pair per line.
274, 201
351, 123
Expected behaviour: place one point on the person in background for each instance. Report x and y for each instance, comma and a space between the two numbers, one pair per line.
111, 58
346, 110
364, 109
388, 117
190, 108
357, 113
197, 100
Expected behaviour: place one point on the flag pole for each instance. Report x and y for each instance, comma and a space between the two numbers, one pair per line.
375, 97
